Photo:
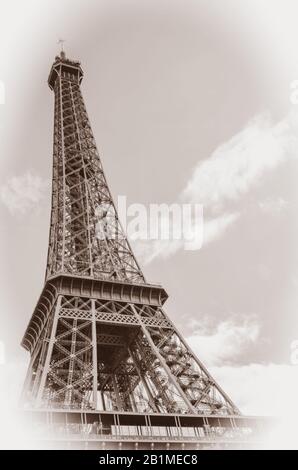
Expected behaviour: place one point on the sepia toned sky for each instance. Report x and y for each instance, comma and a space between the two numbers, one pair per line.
189, 102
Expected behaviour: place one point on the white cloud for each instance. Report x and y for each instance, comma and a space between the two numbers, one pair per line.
273, 206
229, 173
21, 194
226, 342
260, 389
148, 250
216, 227
237, 165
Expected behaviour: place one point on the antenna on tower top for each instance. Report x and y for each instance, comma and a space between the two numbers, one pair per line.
62, 53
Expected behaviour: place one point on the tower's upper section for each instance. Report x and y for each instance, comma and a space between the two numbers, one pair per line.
65, 68
86, 237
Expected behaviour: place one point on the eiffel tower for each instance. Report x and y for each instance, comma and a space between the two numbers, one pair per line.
108, 367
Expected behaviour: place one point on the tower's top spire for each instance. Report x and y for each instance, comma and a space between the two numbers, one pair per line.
64, 68
62, 52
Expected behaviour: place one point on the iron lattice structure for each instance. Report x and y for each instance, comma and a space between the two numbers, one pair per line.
103, 351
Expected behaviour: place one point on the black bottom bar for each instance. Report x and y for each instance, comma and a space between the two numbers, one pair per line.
136, 459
